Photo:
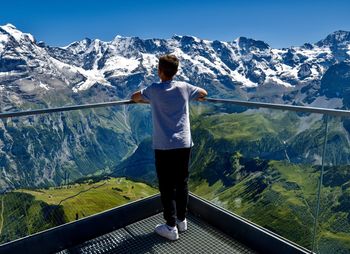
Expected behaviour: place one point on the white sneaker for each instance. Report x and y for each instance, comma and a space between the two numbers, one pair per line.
166, 231
181, 225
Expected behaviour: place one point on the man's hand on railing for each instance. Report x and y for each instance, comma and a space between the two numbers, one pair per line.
202, 94
201, 99
137, 98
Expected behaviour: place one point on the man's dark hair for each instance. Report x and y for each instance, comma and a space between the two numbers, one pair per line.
168, 64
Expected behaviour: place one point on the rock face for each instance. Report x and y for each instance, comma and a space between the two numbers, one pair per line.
45, 149
336, 83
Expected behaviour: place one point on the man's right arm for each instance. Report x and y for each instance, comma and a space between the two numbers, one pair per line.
201, 94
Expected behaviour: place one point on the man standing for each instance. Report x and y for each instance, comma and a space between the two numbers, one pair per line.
172, 141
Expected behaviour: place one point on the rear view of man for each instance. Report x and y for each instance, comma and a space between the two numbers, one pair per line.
172, 141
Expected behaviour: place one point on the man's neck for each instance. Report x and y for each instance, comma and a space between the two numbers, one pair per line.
166, 80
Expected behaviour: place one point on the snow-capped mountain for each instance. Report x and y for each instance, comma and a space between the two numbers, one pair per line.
243, 68
34, 75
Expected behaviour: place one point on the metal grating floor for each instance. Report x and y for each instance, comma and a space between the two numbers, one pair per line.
140, 238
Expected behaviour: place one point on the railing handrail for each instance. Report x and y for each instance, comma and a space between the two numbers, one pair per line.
251, 104
305, 109
65, 108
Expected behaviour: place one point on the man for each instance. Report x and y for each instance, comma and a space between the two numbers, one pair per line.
172, 141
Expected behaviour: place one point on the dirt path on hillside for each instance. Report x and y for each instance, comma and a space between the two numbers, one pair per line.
80, 192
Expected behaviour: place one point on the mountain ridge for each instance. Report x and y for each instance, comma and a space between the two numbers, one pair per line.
242, 63
35, 75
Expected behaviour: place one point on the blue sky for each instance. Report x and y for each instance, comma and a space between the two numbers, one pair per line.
280, 23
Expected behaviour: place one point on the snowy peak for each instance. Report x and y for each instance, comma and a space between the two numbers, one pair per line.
128, 42
248, 44
13, 32
336, 38
79, 45
85, 47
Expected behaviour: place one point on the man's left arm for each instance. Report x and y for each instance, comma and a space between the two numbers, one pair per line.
196, 93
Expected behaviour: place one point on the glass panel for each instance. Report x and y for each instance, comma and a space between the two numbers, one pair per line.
60, 167
263, 165
333, 231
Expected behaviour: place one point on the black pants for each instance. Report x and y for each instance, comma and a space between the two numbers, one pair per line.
172, 172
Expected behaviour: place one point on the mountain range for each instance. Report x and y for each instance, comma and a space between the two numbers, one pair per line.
44, 150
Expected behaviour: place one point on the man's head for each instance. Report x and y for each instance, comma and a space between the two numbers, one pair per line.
168, 65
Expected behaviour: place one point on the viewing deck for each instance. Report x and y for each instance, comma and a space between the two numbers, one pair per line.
139, 238
129, 229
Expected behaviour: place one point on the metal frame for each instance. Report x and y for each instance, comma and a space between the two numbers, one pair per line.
62, 109
77, 232
246, 232
73, 233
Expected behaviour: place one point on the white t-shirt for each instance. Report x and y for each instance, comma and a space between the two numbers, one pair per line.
170, 113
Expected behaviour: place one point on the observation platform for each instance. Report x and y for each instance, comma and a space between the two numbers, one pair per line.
129, 229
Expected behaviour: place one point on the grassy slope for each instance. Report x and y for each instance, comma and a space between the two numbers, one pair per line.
93, 197
287, 204
247, 126
30, 211
23, 215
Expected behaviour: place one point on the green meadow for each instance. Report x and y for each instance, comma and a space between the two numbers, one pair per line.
27, 211
84, 199
264, 166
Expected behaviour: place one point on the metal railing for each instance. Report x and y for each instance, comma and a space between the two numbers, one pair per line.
64, 108
250, 104
305, 109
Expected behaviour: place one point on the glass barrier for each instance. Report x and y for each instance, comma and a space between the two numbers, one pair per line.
333, 227
285, 171
261, 164
61, 167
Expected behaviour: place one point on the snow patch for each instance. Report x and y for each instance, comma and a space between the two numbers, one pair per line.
92, 76
149, 61
197, 66
240, 78
315, 52
157, 43
121, 65
3, 37
277, 81
43, 85
3, 40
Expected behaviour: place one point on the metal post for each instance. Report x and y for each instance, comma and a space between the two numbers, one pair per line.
320, 185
